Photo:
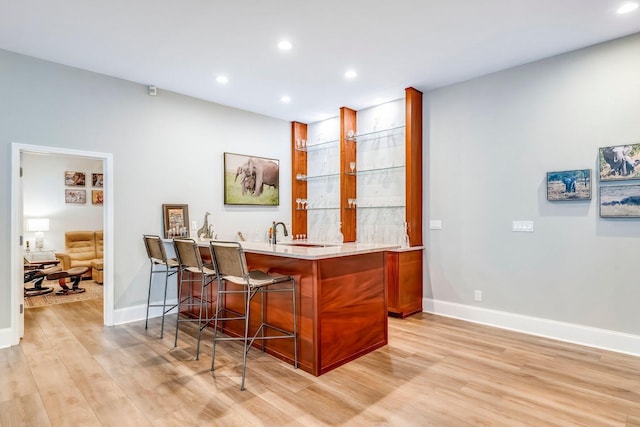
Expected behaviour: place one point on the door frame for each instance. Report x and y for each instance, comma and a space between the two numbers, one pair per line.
17, 285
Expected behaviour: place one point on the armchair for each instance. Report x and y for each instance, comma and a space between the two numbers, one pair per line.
83, 249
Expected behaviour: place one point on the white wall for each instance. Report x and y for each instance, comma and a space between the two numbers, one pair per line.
166, 149
44, 187
489, 143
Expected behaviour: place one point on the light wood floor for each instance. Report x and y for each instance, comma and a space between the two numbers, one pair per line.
72, 371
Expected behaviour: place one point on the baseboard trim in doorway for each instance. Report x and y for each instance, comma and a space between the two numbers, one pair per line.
577, 334
138, 312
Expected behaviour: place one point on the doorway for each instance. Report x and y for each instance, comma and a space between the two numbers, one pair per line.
18, 232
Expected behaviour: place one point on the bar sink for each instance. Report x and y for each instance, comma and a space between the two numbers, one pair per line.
306, 245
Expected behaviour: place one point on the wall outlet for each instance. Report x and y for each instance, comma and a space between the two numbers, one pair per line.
477, 295
435, 224
194, 225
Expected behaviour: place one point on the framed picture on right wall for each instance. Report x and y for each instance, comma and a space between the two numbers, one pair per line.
620, 201
619, 162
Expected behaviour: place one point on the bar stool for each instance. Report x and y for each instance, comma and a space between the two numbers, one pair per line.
193, 270
159, 264
230, 263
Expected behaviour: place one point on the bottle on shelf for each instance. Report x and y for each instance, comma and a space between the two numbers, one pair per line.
404, 243
339, 237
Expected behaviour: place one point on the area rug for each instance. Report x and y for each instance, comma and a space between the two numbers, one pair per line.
93, 291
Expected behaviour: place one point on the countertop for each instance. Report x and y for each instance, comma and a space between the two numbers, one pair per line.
309, 250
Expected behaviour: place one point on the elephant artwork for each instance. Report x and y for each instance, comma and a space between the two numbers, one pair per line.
256, 173
569, 185
620, 162
251, 180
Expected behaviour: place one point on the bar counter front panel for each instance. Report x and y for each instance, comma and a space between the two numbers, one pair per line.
341, 301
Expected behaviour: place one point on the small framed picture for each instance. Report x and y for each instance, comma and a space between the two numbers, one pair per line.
97, 197
620, 201
75, 196
619, 162
569, 185
176, 221
74, 179
97, 180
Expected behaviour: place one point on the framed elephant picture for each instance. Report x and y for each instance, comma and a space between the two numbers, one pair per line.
619, 162
569, 185
251, 180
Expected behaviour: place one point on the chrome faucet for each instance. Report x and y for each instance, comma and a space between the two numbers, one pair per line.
273, 231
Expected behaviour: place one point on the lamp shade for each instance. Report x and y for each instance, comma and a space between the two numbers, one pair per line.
38, 224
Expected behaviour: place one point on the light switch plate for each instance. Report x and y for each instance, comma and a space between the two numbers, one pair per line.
526, 226
435, 224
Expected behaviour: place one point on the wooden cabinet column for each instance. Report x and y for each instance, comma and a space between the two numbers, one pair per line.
298, 187
347, 182
413, 167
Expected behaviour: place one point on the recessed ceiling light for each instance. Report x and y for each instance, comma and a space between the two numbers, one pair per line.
351, 74
285, 45
627, 7
222, 79
285, 99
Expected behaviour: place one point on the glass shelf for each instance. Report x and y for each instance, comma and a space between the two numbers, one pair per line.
317, 177
380, 207
320, 146
318, 209
375, 170
362, 137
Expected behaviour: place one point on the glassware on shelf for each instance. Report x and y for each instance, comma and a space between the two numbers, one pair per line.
352, 166
298, 200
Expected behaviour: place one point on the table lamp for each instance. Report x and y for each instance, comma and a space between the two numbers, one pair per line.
39, 226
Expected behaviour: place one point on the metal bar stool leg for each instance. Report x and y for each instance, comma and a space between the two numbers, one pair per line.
215, 323
146, 321
175, 343
246, 335
164, 301
295, 330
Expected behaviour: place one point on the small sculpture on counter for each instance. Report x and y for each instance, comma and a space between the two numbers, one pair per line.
240, 236
206, 231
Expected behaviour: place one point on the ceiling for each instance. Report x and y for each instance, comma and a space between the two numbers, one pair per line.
182, 45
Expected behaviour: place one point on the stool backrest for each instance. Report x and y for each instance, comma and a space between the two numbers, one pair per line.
229, 259
155, 248
188, 253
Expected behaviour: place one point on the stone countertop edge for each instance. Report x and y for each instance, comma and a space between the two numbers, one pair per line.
290, 250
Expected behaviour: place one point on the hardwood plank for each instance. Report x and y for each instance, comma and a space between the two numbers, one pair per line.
434, 371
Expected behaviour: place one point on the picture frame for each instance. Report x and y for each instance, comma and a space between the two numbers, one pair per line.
251, 180
97, 180
78, 197
97, 197
620, 201
74, 179
176, 220
619, 162
569, 185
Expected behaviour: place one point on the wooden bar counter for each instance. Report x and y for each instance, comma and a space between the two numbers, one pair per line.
341, 300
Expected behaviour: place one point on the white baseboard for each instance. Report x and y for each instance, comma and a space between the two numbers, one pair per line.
138, 312
6, 337
569, 332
